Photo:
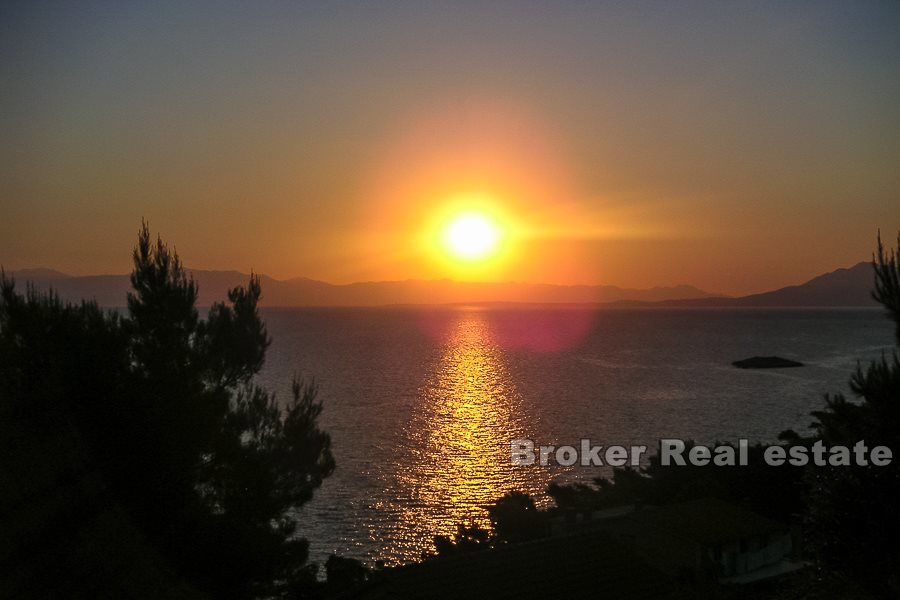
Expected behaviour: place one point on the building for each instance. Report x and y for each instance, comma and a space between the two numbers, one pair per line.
705, 539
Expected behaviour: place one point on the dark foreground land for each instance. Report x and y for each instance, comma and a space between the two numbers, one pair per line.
140, 461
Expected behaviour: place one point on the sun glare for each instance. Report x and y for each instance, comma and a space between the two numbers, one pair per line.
472, 236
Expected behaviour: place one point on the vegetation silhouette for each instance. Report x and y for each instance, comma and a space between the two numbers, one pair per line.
851, 520
149, 426
141, 459
514, 518
850, 524
750, 486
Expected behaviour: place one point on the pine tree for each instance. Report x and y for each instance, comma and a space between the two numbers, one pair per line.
163, 408
852, 524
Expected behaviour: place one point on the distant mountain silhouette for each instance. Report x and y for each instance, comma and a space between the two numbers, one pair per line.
110, 290
39, 275
844, 287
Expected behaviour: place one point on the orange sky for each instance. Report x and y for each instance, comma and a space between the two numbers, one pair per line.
735, 148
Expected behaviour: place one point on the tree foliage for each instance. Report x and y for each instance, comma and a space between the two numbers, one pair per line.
209, 466
851, 519
750, 486
514, 518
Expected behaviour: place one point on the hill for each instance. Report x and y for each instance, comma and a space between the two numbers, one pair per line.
839, 288
111, 290
843, 287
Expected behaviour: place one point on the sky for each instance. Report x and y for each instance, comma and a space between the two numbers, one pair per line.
735, 146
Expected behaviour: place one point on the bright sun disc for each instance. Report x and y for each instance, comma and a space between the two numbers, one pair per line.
472, 236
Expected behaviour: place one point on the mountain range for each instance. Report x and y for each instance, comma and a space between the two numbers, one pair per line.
843, 287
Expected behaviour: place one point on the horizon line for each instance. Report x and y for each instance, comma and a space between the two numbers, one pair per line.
64, 275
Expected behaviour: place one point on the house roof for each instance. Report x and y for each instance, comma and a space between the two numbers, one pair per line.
707, 522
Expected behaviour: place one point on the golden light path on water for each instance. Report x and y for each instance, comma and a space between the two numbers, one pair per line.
458, 442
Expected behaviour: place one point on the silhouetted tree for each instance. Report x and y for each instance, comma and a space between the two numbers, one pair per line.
343, 575
851, 517
466, 539
515, 518
163, 406
750, 486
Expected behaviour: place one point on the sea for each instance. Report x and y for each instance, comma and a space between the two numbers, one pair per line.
423, 403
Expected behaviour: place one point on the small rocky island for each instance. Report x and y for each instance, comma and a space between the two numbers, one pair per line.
766, 362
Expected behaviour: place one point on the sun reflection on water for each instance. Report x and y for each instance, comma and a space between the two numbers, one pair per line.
457, 458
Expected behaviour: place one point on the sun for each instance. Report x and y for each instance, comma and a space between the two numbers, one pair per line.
472, 236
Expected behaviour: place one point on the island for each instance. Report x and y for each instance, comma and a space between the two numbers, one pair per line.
766, 362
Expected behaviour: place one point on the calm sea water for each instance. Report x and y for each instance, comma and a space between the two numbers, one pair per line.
422, 403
